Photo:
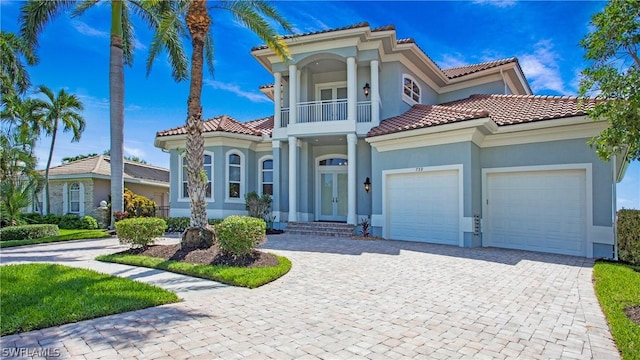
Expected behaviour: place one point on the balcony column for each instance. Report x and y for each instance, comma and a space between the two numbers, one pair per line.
375, 93
352, 142
275, 205
293, 94
352, 88
277, 99
293, 178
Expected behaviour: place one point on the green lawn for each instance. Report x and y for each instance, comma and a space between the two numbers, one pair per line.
65, 235
237, 276
36, 296
618, 287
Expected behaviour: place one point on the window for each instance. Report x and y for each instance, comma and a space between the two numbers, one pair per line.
266, 176
235, 172
410, 90
208, 169
74, 198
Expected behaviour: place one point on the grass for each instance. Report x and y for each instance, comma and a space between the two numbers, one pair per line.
617, 287
65, 235
36, 296
236, 276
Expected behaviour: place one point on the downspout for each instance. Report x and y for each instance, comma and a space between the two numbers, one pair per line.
614, 203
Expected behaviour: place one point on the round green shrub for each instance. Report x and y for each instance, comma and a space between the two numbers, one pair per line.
24, 232
239, 235
89, 222
70, 221
140, 232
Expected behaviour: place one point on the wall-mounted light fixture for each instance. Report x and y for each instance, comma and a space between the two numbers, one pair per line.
367, 185
366, 89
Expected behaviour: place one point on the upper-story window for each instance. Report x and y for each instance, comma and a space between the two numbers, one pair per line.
410, 90
74, 198
208, 169
266, 176
235, 176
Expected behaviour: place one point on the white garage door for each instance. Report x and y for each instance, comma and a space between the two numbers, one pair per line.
423, 206
537, 210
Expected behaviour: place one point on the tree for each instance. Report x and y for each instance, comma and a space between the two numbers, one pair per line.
23, 119
614, 75
68, 159
64, 107
254, 15
14, 77
35, 14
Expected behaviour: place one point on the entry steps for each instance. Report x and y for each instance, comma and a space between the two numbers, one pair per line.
320, 229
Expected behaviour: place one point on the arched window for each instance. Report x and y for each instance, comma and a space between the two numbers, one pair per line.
266, 175
235, 176
74, 198
410, 90
208, 169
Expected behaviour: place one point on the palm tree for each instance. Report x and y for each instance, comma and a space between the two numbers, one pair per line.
35, 14
22, 118
254, 15
64, 107
14, 74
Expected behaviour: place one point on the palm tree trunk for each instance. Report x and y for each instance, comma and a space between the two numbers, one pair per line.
46, 171
116, 107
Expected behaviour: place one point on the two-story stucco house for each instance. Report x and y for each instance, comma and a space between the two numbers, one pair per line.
367, 125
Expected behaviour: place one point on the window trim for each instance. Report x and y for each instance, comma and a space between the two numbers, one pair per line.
70, 189
242, 174
408, 99
181, 197
260, 175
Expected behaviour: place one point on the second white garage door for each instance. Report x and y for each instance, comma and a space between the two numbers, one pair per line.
537, 210
423, 206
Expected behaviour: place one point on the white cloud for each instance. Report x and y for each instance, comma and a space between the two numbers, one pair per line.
87, 30
133, 151
541, 68
452, 60
251, 96
496, 3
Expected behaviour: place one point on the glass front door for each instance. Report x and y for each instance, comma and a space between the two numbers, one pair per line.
332, 195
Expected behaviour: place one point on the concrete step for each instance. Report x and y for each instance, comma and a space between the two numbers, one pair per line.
320, 229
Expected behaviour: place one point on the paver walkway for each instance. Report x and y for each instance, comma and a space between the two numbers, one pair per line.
346, 299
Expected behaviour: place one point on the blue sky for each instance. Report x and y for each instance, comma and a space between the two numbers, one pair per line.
74, 56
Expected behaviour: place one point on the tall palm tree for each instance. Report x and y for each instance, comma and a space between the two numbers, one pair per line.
254, 15
14, 76
35, 14
63, 108
22, 119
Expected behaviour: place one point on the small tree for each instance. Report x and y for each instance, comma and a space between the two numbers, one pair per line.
258, 206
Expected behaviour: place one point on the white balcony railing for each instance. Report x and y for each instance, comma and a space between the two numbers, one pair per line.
319, 111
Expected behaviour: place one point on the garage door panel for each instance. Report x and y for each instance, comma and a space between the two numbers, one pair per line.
424, 206
537, 210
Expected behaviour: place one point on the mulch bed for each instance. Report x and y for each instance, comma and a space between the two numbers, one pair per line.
633, 313
209, 256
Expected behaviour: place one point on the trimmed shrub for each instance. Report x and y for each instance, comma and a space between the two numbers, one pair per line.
140, 232
177, 224
32, 218
70, 221
138, 205
238, 235
24, 232
89, 222
214, 222
51, 219
629, 236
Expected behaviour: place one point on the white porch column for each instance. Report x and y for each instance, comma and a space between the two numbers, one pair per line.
293, 178
293, 94
352, 142
352, 95
277, 99
275, 205
375, 93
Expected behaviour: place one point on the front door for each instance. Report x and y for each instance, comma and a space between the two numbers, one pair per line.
331, 190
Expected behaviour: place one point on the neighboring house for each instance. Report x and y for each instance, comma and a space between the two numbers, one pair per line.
78, 187
441, 164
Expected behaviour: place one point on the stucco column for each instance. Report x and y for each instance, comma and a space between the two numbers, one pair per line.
275, 205
293, 94
293, 178
277, 99
352, 142
375, 93
352, 97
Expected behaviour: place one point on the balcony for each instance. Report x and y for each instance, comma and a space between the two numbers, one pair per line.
322, 111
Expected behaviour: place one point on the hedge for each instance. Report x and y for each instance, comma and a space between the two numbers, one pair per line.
238, 235
140, 231
179, 224
629, 236
24, 232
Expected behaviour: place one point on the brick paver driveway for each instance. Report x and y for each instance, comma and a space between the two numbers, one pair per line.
348, 299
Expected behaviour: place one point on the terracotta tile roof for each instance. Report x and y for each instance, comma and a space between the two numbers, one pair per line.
221, 123
455, 72
502, 109
101, 165
264, 125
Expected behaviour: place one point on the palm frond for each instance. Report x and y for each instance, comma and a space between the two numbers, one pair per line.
128, 36
83, 6
35, 14
170, 29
